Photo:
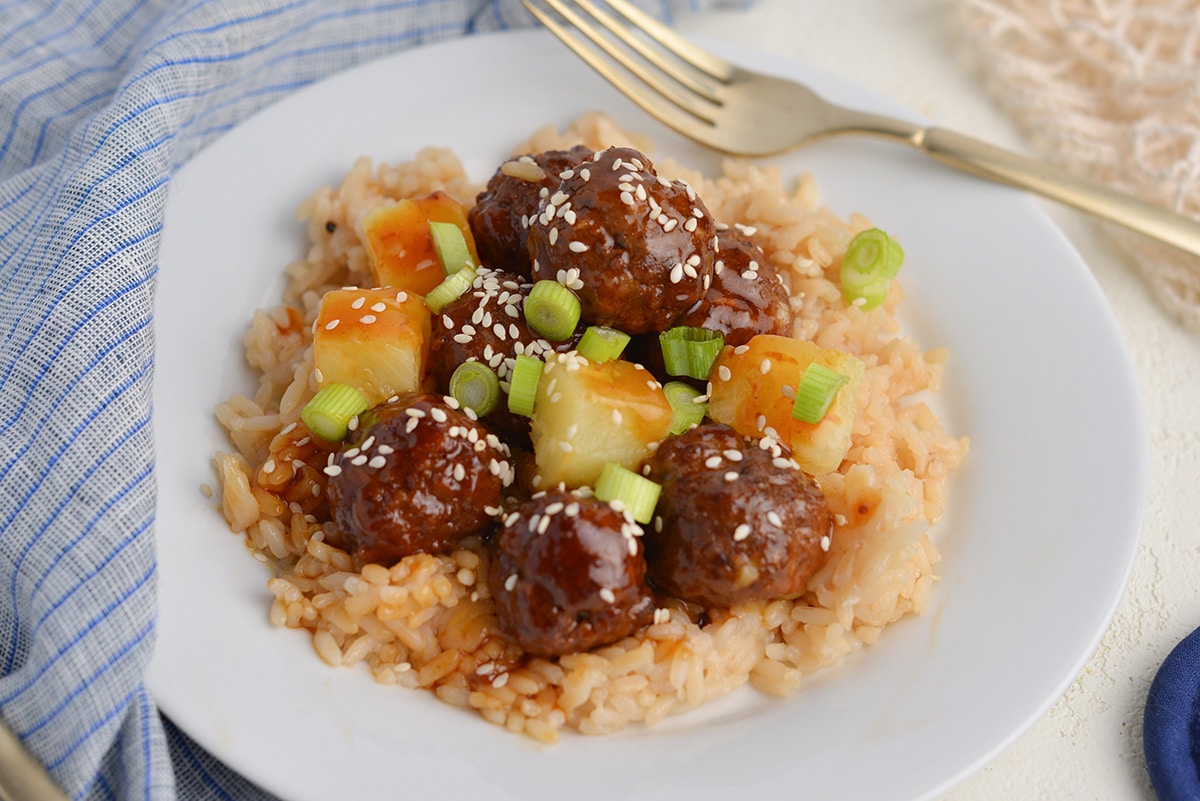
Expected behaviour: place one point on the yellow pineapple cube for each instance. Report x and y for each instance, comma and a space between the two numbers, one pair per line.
375, 340
587, 414
754, 388
399, 244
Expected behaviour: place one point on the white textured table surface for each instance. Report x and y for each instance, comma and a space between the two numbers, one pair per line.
1088, 745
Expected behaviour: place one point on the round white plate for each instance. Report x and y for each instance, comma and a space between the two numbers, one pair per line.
1043, 522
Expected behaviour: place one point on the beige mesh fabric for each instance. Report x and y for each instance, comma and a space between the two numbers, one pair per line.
1109, 89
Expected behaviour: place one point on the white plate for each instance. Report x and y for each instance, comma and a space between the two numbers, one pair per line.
1042, 529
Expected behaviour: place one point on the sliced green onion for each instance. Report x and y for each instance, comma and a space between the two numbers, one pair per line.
638, 494
871, 262
818, 387
450, 246
523, 384
685, 402
451, 289
552, 310
602, 344
690, 351
330, 411
476, 386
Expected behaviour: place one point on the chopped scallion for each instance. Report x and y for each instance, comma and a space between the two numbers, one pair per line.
638, 494
871, 262
690, 351
330, 411
602, 344
552, 310
523, 384
450, 246
818, 387
476, 386
451, 289
686, 404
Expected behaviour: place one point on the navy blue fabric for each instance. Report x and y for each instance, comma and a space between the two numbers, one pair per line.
100, 102
1171, 725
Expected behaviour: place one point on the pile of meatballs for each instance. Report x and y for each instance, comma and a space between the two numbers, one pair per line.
736, 519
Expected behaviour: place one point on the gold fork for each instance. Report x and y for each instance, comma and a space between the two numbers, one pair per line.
745, 113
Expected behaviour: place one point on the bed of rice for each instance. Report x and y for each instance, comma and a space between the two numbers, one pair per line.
428, 621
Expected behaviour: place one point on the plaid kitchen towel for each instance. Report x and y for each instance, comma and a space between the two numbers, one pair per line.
100, 102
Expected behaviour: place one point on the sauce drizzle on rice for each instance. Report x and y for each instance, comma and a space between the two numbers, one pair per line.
429, 621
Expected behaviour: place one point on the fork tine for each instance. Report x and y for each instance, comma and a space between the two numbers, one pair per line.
654, 55
699, 58
693, 104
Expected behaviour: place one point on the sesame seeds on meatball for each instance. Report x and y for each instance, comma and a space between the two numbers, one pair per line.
637, 248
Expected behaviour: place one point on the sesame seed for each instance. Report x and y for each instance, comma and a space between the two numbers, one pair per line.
367, 319
662, 615
733, 455
360, 460
401, 296
379, 307
414, 412
332, 324
741, 532
731, 476
577, 247
774, 519
411, 426
825, 543
377, 462
543, 525
462, 339
386, 450
607, 595
358, 303
627, 198
438, 414
724, 373
552, 237
616, 417
712, 462
676, 273
510, 582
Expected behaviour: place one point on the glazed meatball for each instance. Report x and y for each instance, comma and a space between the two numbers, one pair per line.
747, 296
567, 574
486, 324
636, 248
417, 476
737, 520
501, 213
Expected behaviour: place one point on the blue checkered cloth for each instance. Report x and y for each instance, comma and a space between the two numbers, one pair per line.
100, 102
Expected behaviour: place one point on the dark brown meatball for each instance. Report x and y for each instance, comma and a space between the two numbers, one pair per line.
487, 325
636, 248
416, 476
501, 212
747, 296
737, 520
567, 574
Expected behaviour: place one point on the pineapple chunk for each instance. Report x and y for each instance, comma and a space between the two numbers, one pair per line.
399, 245
587, 414
375, 340
754, 387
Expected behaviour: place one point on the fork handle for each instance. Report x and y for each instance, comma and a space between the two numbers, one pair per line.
1004, 166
